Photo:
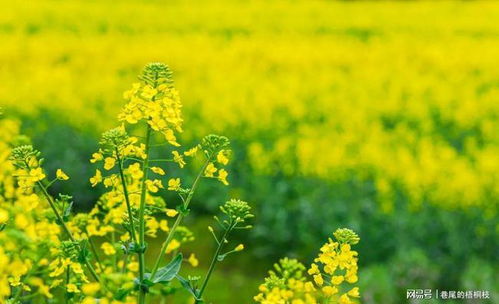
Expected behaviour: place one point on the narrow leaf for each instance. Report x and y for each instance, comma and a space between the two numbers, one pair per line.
168, 272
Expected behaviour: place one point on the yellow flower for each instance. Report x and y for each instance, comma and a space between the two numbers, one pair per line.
222, 176
163, 225
37, 174
45, 291
152, 226
337, 280
108, 248
170, 137
76, 267
61, 175
109, 181
178, 159
193, 260
174, 244
318, 279
344, 299
239, 247
210, 170
109, 163
174, 184
133, 267
192, 151
222, 158
90, 289
72, 288
96, 157
354, 292
97, 178
158, 170
135, 171
329, 290
171, 212
33, 162
148, 92
55, 283
154, 186
21, 221
15, 281
314, 269
4, 216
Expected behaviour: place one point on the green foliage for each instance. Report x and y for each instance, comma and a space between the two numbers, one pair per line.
168, 272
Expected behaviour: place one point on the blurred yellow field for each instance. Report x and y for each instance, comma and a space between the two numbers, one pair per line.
402, 93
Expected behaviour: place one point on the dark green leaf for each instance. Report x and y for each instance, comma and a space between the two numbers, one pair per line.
187, 285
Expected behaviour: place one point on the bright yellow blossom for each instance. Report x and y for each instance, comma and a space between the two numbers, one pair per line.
174, 184
61, 175
178, 159
72, 288
210, 170
193, 260
37, 174
171, 212
96, 157
222, 158
108, 248
222, 176
97, 178
109, 163
174, 245
158, 170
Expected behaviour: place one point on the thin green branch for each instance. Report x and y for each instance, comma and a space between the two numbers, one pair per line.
214, 260
180, 217
127, 198
142, 262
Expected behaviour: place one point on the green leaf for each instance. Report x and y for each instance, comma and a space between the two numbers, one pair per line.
84, 253
168, 272
121, 294
188, 286
67, 212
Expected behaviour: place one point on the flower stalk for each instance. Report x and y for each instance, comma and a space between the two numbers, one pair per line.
180, 217
64, 226
142, 207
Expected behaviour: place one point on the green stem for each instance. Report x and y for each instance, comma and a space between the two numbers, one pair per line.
125, 261
142, 207
127, 198
165, 243
57, 215
113, 238
94, 251
68, 275
180, 217
61, 222
212, 265
18, 294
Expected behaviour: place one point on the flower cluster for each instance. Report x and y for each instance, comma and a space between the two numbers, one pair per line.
156, 101
49, 252
287, 284
333, 273
29, 237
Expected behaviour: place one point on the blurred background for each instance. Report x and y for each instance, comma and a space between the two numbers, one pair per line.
382, 117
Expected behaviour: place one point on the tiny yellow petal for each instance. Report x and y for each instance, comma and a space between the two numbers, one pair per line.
61, 175
171, 212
